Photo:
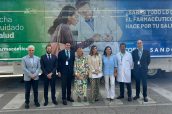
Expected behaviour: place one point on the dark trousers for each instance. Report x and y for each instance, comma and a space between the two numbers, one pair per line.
52, 83
122, 89
28, 84
66, 85
141, 76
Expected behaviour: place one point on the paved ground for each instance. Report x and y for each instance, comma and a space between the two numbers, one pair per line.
159, 92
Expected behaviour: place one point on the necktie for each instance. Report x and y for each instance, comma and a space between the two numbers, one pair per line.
49, 57
140, 53
68, 53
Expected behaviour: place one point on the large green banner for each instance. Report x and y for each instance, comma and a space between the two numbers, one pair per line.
22, 23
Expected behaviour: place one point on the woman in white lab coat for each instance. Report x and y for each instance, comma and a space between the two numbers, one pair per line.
125, 63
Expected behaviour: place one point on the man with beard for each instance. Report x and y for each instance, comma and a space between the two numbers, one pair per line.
49, 66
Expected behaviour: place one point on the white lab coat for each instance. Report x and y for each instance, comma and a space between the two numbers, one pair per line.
124, 67
103, 24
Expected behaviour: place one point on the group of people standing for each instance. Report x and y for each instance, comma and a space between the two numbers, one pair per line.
81, 68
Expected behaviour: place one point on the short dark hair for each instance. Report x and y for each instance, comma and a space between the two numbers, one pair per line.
80, 49
121, 44
48, 45
67, 42
80, 3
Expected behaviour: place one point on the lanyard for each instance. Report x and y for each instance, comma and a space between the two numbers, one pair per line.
122, 55
140, 54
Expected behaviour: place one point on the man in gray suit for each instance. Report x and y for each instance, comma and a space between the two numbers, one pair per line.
31, 67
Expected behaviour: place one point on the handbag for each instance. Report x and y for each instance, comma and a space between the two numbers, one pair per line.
57, 46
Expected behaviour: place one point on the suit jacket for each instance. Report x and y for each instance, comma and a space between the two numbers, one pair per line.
30, 68
48, 66
62, 58
144, 61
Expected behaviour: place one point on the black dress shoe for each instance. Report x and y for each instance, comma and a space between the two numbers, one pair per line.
79, 99
145, 99
85, 99
55, 102
120, 97
37, 104
129, 99
70, 99
64, 102
96, 99
108, 99
136, 97
111, 100
46, 103
26, 106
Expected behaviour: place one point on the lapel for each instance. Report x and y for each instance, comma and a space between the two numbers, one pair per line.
66, 55
142, 54
86, 26
46, 58
28, 60
137, 53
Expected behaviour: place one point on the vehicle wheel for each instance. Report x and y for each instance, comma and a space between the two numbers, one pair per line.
152, 73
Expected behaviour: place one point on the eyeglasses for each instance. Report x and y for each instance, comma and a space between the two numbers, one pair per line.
31, 50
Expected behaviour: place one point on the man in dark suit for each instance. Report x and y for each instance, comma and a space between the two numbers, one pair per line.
141, 59
49, 66
66, 59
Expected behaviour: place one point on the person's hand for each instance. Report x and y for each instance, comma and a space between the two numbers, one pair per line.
81, 78
115, 74
77, 75
54, 47
96, 72
33, 76
59, 74
107, 37
96, 37
49, 75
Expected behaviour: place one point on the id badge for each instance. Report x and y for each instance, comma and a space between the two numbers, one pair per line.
138, 63
67, 63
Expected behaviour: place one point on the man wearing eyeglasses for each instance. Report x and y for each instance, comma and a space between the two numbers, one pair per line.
31, 68
141, 59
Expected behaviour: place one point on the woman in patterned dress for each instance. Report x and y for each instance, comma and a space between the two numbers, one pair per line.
81, 69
